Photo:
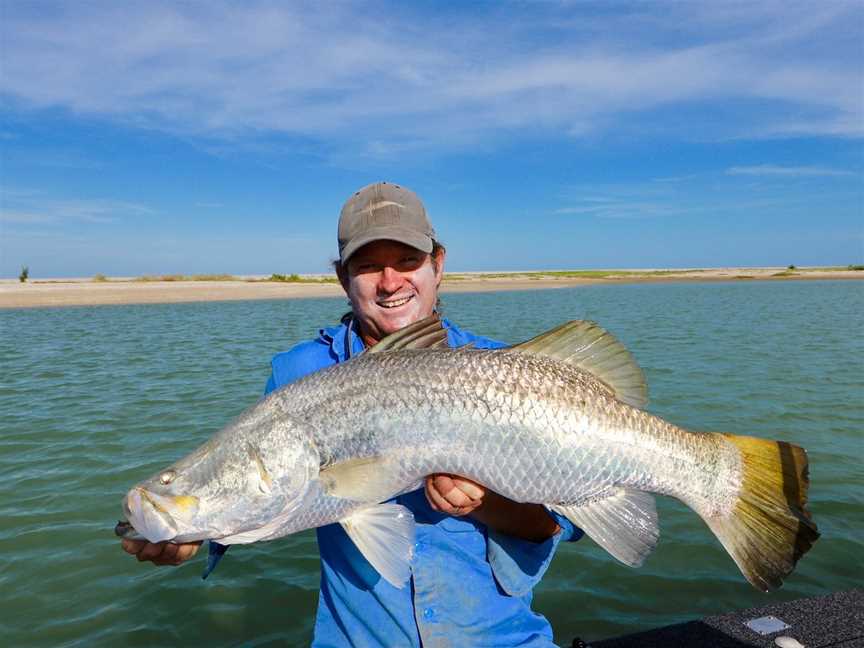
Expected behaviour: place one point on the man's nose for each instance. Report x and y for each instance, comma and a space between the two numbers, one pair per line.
391, 280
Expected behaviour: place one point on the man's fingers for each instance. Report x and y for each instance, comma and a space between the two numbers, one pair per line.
151, 551
166, 556
186, 551
176, 554
458, 490
469, 488
132, 546
161, 553
434, 497
443, 496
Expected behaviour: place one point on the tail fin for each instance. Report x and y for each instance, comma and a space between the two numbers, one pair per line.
769, 529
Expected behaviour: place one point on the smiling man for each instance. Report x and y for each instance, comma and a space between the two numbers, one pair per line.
478, 555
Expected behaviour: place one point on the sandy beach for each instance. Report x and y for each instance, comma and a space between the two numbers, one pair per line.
87, 292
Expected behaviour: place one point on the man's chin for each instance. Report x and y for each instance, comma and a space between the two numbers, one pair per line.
395, 319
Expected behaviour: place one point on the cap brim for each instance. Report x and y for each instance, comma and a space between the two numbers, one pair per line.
413, 238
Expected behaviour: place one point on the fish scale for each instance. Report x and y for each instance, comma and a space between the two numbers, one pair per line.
556, 415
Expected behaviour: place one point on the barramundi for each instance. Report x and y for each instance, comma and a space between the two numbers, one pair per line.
558, 420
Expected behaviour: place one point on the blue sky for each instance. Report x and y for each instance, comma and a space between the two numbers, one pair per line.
142, 138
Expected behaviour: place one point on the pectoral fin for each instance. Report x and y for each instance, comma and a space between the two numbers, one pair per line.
622, 521
384, 534
370, 479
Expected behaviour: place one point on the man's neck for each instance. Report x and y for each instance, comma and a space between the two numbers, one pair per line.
368, 340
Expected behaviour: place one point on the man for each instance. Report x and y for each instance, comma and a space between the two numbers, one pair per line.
478, 555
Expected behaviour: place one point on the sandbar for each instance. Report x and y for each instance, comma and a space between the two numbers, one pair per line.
39, 293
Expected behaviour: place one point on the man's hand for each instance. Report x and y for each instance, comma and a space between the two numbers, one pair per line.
160, 553
458, 496
453, 495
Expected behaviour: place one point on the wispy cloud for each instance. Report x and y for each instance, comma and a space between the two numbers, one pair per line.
624, 209
695, 197
30, 207
786, 171
424, 81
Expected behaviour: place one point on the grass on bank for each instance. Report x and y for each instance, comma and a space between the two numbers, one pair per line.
181, 277
295, 278
275, 277
569, 274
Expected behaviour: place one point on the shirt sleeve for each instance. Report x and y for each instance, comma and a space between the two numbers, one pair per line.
518, 565
297, 362
271, 384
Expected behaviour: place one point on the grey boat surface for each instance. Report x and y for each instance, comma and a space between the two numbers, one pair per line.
835, 620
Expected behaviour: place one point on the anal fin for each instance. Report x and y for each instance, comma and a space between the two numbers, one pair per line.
622, 521
384, 534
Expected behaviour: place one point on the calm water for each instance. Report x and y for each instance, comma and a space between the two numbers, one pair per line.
94, 399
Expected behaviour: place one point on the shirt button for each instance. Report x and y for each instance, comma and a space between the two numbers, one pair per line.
428, 613
418, 546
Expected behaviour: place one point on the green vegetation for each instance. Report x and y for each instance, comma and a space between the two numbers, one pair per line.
790, 267
569, 274
180, 277
295, 278
99, 277
25, 273
785, 273
855, 267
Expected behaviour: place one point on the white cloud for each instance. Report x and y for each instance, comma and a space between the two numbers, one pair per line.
786, 171
384, 78
29, 207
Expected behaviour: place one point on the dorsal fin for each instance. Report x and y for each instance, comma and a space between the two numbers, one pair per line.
593, 349
424, 334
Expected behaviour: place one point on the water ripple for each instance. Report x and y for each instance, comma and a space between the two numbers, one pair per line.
94, 399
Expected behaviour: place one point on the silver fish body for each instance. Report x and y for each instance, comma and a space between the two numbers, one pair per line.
554, 421
528, 427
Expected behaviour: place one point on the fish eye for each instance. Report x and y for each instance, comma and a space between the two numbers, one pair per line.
167, 477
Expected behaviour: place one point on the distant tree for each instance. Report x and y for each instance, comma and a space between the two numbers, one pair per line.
25, 273
790, 267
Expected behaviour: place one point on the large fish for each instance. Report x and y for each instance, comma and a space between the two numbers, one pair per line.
557, 420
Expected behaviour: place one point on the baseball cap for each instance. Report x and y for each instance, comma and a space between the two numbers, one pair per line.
383, 211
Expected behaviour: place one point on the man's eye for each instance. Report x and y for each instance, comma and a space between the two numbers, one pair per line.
410, 261
365, 267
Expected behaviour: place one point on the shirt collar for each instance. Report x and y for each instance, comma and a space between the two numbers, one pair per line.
337, 336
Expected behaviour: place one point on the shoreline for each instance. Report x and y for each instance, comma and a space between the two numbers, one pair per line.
42, 293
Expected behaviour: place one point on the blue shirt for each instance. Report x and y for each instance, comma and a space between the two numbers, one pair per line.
470, 586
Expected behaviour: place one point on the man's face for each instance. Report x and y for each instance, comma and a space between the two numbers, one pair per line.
391, 285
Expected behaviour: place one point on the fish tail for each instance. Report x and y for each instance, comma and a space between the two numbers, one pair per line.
769, 528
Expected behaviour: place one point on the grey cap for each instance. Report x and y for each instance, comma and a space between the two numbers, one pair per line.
383, 211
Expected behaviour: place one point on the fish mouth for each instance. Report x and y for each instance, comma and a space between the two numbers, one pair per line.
124, 529
394, 302
155, 516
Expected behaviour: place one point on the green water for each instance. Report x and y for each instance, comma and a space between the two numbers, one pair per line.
94, 399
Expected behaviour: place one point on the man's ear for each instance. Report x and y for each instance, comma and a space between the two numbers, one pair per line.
342, 276
438, 264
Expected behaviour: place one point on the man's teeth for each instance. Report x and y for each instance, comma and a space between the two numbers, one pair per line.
396, 302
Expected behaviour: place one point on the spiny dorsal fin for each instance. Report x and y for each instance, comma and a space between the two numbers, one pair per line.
424, 334
591, 348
